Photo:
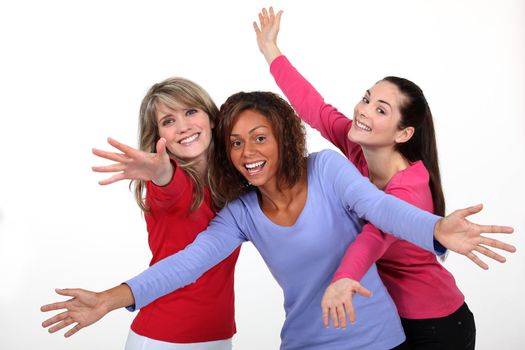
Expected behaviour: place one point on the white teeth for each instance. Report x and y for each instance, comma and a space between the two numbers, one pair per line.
362, 126
189, 139
254, 165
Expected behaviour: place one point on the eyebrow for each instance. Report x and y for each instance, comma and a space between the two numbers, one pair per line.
382, 101
170, 114
252, 130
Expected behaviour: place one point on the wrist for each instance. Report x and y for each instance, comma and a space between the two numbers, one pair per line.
437, 230
271, 52
165, 176
116, 298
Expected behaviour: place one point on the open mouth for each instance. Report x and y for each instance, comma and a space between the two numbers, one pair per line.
189, 139
362, 126
255, 167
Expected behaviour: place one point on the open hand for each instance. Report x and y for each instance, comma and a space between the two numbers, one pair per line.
267, 33
133, 164
337, 302
458, 234
84, 308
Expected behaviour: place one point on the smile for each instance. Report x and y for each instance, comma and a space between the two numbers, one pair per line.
189, 139
255, 168
362, 126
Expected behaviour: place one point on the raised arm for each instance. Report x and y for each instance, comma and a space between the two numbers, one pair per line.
305, 99
174, 272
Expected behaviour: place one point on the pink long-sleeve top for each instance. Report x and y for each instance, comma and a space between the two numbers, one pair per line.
419, 285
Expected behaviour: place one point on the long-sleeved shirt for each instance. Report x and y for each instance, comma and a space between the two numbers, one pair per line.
203, 311
304, 256
419, 285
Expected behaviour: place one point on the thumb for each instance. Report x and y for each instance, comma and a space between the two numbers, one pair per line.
469, 211
67, 292
161, 147
362, 291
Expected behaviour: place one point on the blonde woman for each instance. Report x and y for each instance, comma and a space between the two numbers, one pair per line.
169, 173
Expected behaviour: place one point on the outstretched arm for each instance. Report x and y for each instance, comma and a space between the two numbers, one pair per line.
85, 307
210, 247
407, 222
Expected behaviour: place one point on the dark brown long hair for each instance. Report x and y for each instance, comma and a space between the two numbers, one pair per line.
415, 112
226, 182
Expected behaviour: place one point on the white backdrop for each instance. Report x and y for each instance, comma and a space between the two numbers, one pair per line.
73, 73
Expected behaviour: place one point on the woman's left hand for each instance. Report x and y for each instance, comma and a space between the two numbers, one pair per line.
337, 302
458, 234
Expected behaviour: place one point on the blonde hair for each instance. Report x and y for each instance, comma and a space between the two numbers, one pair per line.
174, 93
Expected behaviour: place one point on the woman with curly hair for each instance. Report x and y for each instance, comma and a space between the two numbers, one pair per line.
300, 212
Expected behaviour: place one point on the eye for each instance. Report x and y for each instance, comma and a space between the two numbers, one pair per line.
167, 121
235, 143
365, 100
380, 110
260, 138
191, 111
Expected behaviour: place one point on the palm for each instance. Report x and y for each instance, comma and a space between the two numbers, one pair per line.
337, 302
84, 308
133, 164
268, 31
458, 234
466, 235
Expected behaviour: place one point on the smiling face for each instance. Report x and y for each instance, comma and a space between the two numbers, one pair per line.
254, 150
187, 131
377, 116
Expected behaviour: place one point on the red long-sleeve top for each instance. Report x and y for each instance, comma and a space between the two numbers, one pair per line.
202, 311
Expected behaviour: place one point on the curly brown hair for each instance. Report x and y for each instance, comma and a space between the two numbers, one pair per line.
225, 181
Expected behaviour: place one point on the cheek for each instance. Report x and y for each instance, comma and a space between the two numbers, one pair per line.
164, 132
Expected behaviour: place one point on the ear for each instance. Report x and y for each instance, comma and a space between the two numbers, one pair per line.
404, 135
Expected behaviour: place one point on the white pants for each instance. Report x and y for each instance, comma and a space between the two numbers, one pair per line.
138, 342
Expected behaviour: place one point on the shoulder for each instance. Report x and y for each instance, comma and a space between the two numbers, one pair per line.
330, 162
238, 209
411, 184
415, 175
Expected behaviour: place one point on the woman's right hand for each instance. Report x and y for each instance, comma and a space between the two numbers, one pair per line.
133, 164
337, 302
267, 33
85, 307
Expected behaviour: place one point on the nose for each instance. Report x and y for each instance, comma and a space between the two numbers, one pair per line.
182, 125
248, 150
362, 109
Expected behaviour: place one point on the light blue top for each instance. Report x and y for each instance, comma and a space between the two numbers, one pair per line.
303, 257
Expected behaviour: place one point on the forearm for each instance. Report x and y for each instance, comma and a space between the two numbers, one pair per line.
368, 247
185, 267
